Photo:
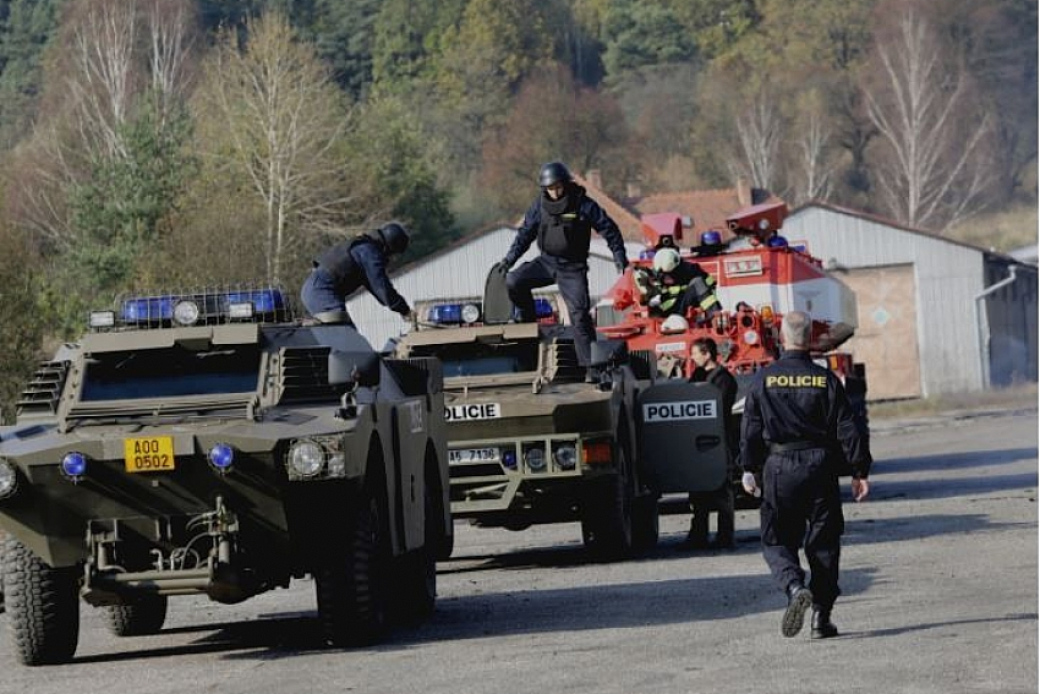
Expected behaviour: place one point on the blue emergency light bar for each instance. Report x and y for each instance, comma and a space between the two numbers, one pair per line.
203, 307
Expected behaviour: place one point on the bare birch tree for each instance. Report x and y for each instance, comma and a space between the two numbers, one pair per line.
813, 156
759, 132
932, 175
281, 121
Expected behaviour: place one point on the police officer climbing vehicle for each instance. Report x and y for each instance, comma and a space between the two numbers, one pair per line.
209, 443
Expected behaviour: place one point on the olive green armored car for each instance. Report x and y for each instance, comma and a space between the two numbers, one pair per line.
208, 443
530, 441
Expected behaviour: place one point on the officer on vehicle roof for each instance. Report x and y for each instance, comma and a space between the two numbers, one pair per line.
562, 219
357, 262
798, 429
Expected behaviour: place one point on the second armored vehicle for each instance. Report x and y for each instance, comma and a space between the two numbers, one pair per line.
531, 442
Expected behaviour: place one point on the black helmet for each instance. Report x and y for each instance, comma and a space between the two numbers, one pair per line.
553, 172
395, 238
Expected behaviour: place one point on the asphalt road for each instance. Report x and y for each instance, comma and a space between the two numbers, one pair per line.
939, 575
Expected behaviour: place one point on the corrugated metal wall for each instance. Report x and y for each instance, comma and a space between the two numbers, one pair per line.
948, 277
460, 272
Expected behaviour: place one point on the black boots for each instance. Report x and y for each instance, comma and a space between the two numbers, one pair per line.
799, 600
822, 626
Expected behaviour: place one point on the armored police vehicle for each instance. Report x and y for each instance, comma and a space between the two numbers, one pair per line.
209, 443
531, 442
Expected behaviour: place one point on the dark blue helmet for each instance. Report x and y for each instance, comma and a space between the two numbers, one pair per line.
553, 172
395, 238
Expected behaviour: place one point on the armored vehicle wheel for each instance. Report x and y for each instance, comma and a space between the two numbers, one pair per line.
351, 592
606, 513
42, 606
646, 523
142, 617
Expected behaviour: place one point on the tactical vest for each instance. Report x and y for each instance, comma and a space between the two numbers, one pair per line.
562, 232
338, 262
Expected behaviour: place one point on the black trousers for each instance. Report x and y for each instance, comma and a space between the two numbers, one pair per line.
801, 507
702, 504
572, 278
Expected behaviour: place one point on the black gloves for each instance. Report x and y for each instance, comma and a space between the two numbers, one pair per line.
620, 264
502, 266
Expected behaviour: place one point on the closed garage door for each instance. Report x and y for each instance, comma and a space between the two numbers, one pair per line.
886, 339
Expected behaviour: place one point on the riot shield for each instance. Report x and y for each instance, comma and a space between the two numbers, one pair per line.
682, 436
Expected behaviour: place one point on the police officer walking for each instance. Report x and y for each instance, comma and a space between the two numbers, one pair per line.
357, 262
797, 430
561, 219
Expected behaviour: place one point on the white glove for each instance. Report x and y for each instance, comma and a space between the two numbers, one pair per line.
750, 485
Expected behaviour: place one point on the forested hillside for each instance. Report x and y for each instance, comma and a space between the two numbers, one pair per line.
178, 142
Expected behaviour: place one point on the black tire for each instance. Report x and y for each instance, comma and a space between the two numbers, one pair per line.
42, 607
606, 513
351, 592
142, 617
646, 523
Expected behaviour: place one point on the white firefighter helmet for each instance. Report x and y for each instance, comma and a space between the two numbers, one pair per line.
666, 260
674, 324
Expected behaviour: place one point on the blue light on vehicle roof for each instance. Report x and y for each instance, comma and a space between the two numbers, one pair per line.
646, 254
445, 313
543, 308
152, 308
263, 300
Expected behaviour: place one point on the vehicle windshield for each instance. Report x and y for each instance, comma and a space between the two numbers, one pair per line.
477, 359
170, 372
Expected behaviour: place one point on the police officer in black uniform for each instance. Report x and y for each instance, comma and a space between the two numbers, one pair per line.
357, 262
562, 220
798, 430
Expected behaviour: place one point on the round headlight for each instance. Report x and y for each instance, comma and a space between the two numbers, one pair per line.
306, 458
74, 464
8, 479
566, 457
535, 459
751, 337
221, 456
470, 313
186, 312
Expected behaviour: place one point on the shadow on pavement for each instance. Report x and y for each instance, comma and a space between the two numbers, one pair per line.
535, 611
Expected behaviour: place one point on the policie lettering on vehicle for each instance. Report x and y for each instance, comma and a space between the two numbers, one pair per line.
209, 443
531, 442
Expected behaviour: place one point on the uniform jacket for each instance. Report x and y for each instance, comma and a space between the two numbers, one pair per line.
795, 401
361, 262
721, 378
566, 235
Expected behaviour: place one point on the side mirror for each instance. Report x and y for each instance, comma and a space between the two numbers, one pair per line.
608, 353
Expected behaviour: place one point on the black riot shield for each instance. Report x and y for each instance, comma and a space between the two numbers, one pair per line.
682, 435
497, 306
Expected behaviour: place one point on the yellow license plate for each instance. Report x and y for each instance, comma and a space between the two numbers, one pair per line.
150, 454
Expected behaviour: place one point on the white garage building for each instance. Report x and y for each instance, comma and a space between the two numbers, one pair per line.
935, 315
